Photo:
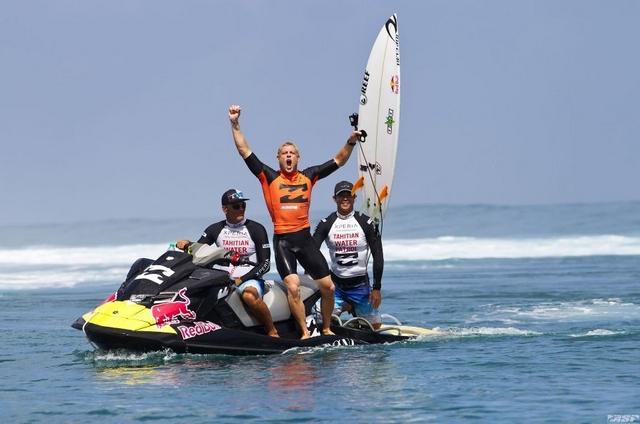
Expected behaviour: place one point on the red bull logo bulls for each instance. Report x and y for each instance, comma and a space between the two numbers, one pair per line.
169, 312
395, 84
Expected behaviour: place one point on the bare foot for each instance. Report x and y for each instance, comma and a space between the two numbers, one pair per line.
305, 335
327, 332
273, 334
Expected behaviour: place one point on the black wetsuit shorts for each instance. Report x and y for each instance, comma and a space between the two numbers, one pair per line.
299, 246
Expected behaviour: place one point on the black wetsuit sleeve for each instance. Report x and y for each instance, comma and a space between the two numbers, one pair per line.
374, 240
317, 172
211, 234
256, 167
263, 251
322, 230
254, 164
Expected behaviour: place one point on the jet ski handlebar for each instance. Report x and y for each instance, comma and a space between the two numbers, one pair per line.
238, 259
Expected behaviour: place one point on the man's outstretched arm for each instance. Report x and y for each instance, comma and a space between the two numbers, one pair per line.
238, 137
345, 151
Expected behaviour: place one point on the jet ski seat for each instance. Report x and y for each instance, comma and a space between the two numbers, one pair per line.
275, 298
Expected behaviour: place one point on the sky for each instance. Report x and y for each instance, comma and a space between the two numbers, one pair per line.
118, 109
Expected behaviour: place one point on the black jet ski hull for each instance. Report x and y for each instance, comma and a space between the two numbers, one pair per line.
219, 341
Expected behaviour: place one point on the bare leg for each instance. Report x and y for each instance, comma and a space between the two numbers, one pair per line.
292, 281
327, 291
259, 309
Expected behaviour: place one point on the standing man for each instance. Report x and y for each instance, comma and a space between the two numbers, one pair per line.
248, 238
287, 193
350, 236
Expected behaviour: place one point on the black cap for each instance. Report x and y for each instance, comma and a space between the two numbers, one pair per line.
342, 186
232, 196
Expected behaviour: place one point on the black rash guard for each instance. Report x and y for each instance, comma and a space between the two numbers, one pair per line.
349, 239
247, 238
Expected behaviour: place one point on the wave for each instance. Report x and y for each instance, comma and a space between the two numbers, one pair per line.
438, 248
60, 266
577, 311
79, 256
481, 331
599, 332
442, 248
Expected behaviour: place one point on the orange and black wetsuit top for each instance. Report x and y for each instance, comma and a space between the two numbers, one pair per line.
288, 196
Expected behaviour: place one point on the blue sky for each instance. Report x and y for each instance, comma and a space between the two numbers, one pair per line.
116, 109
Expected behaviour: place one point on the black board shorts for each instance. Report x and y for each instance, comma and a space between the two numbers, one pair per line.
299, 246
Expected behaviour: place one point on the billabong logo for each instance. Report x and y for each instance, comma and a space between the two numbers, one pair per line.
168, 312
293, 188
155, 273
223, 292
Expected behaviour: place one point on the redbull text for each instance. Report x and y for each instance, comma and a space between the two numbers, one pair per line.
199, 328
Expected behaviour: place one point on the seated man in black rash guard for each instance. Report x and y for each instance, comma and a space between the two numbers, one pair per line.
248, 238
350, 236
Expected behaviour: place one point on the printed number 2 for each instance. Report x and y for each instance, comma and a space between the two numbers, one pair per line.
347, 259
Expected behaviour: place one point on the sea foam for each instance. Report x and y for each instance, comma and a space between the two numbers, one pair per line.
57, 266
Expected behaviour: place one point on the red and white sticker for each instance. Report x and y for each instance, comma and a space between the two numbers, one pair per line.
199, 328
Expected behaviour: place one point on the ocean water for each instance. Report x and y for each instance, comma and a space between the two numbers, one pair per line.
537, 310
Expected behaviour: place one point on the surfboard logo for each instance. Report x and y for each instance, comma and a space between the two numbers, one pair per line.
392, 22
389, 122
395, 84
363, 88
392, 30
373, 167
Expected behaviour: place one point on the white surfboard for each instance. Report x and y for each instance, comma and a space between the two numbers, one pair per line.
379, 116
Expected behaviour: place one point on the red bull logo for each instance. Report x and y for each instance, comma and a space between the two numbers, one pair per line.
199, 328
169, 312
395, 84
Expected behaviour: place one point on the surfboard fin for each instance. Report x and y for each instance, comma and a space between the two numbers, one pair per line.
384, 193
358, 185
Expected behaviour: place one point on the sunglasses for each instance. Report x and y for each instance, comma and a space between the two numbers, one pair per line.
344, 194
239, 206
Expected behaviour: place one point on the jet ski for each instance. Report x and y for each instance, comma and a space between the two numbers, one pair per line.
180, 302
